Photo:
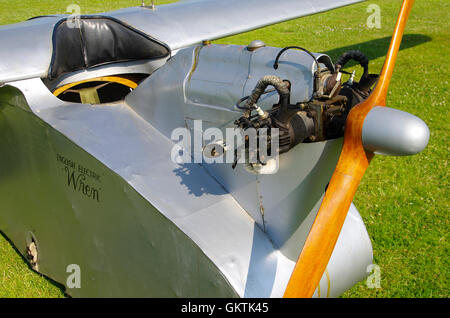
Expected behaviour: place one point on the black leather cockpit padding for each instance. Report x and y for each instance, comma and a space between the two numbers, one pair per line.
90, 41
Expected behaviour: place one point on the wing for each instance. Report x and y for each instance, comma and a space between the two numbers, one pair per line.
188, 22
27, 47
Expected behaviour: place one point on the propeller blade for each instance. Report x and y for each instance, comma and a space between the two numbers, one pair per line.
352, 164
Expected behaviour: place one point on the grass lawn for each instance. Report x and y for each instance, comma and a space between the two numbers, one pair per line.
404, 201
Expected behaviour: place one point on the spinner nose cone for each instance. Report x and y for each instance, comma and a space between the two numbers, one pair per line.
389, 131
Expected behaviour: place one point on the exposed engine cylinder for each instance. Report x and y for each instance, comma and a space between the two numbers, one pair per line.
321, 118
295, 127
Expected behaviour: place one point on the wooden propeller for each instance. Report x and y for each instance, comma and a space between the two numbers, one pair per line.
352, 164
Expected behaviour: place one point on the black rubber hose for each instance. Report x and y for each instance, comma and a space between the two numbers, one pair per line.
238, 104
316, 74
356, 55
275, 65
281, 87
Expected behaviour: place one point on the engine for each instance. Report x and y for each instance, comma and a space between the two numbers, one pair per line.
300, 95
321, 118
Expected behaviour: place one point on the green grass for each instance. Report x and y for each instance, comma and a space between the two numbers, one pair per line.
404, 201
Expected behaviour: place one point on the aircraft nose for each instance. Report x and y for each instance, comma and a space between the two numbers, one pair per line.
389, 131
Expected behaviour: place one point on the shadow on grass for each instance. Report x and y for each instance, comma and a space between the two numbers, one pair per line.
48, 279
378, 48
